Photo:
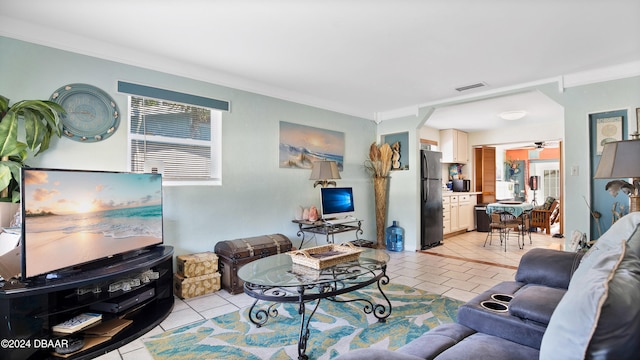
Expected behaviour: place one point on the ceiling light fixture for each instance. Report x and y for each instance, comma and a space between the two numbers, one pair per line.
512, 115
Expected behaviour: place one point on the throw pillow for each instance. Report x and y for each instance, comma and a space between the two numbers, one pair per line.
624, 228
627, 228
593, 255
599, 316
634, 241
617, 335
548, 202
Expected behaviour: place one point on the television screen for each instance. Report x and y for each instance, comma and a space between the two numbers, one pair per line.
336, 201
74, 217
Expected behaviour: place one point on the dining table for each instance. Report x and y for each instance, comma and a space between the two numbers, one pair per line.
515, 208
520, 211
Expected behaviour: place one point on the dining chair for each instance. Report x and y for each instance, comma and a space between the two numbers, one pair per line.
504, 223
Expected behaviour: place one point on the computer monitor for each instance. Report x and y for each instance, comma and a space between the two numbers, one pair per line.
336, 202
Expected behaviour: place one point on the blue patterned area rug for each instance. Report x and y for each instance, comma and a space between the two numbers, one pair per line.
335, 329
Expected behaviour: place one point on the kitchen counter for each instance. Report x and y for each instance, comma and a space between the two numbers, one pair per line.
451, 193
458, 211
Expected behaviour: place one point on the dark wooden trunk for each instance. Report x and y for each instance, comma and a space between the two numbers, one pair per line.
232, 254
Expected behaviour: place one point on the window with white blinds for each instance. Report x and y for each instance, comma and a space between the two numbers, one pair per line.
183, 142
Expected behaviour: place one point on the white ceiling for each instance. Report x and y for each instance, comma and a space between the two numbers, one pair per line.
484, 114
364, 58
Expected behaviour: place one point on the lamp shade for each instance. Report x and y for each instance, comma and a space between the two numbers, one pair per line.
620, 159
324, 170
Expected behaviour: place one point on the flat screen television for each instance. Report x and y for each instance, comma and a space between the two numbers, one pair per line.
75, 217
336, 202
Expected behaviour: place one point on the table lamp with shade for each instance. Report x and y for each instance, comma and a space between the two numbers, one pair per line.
323, 171
621, 159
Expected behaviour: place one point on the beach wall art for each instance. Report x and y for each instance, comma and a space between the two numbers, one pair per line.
301, 145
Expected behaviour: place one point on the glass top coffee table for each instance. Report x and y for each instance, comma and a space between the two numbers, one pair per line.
276, 279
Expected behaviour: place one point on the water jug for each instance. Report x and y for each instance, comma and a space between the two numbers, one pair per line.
395, 237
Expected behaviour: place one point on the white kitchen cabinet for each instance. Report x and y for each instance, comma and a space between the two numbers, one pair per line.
453, 145
464, 213
446, 214
473, 201
454, 213
458, 210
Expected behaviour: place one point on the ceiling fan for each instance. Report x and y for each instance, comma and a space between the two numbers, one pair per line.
539, 145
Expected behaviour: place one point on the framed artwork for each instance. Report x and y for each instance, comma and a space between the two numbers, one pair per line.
301, 145
604, 127
607, 130
399, 145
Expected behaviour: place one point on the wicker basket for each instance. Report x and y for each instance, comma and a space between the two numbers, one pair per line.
324, 256
305, 272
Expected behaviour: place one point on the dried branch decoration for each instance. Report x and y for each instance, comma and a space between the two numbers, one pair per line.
379, 162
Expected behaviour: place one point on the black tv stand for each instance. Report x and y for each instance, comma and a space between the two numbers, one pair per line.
30, 309
61, 274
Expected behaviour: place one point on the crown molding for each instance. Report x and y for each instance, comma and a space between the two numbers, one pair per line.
79, 44
617, 72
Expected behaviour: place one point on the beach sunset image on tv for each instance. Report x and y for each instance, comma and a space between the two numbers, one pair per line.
73, 217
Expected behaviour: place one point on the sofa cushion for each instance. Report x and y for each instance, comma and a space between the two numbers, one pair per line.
376, 354
536, 303
547, 267
481, 346
436, 340
501, 324
449, 342
599, 316
547, 204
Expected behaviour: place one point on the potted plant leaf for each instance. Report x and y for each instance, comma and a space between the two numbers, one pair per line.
41, 119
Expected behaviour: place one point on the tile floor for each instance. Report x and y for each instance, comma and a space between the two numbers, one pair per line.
460, 268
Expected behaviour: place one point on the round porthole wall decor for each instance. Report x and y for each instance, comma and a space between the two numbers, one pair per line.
91, 116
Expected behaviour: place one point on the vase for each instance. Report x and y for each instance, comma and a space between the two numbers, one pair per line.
380, 187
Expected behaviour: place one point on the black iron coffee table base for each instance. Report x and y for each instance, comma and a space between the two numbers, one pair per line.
303, 295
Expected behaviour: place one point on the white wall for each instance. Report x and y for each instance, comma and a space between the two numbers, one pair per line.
404, 196
256, 197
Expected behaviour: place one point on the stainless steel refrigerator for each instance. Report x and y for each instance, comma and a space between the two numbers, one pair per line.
431, 200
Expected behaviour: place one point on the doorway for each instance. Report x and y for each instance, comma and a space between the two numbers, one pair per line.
538, 172
548, 173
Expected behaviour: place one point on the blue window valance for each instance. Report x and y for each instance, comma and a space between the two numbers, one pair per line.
156, 93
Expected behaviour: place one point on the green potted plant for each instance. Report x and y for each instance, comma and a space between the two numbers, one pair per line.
41, 120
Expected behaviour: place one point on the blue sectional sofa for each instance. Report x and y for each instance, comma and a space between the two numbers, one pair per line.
561, 305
